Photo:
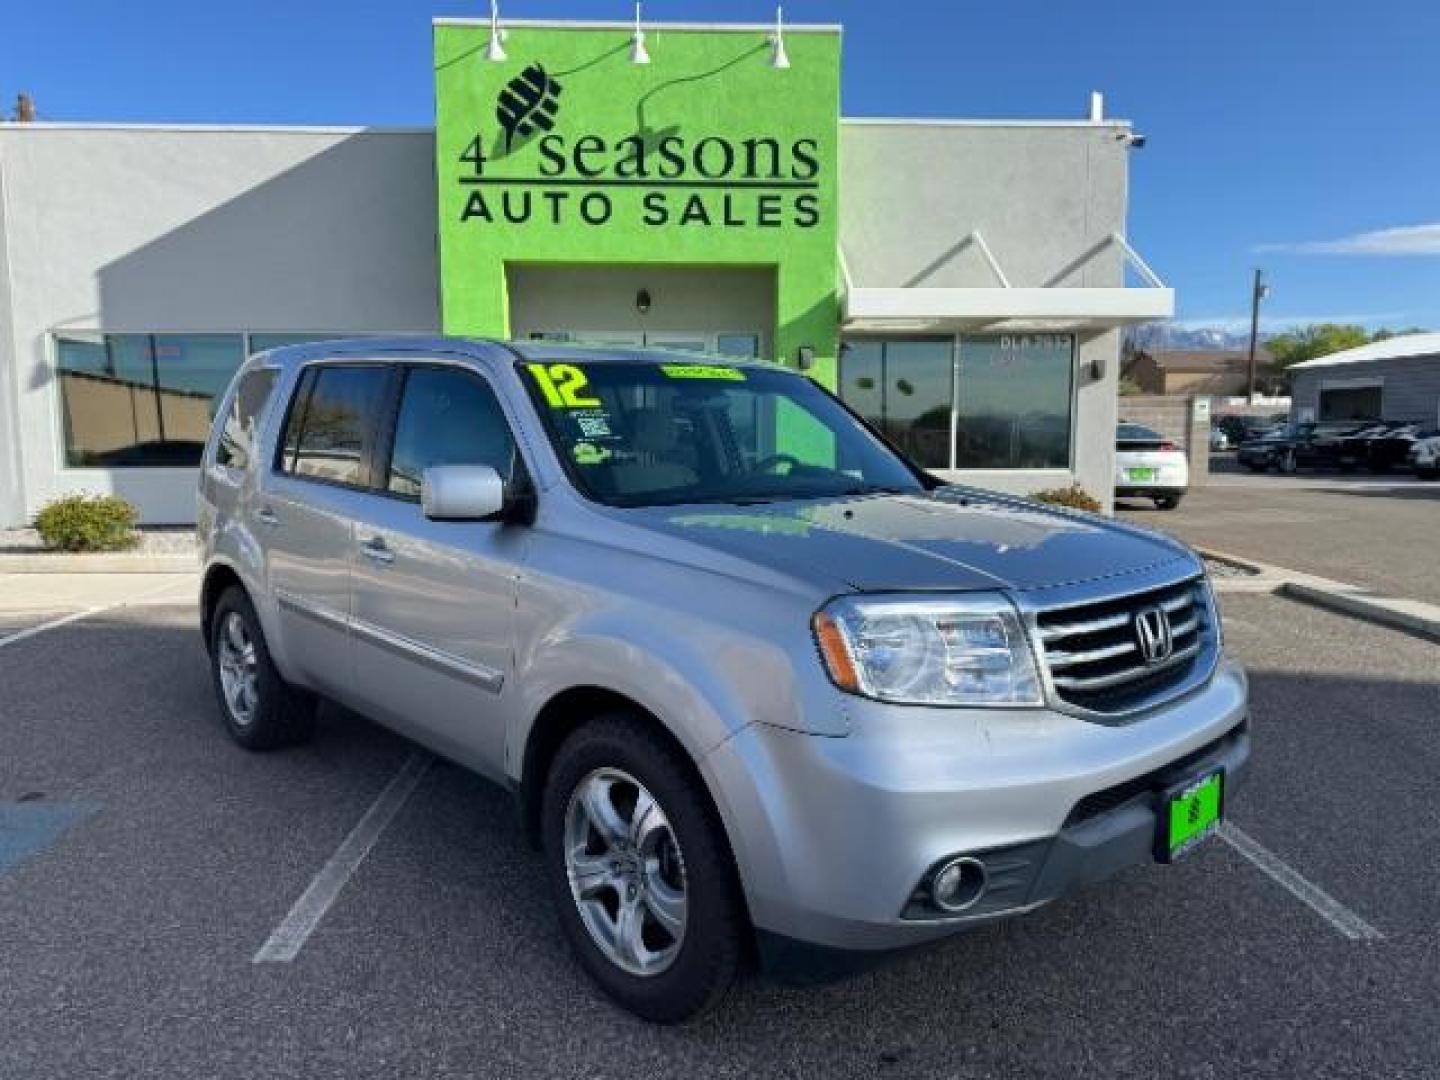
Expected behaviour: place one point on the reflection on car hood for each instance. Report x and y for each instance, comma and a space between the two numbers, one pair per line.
952, 538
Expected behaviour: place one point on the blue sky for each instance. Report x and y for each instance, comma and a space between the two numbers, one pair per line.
1301, 136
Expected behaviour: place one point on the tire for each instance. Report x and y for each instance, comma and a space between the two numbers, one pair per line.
1257, 467
278, 714
609, 758
1167, 502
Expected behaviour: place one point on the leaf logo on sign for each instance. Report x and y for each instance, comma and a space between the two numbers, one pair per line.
527, 104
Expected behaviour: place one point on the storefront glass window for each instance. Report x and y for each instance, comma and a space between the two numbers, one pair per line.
141, 399
262, 342
1015, 401
904, 388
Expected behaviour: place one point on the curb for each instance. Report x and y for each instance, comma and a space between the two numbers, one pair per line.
1410, 616
99, 564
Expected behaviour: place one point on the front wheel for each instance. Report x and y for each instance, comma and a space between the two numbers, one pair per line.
260, 709
640, 872
1167, 502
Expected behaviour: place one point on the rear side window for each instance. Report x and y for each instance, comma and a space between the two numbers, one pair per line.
447, 417
332, 423
236, 446
1138, 433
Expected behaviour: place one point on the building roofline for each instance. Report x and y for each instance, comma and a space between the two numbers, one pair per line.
629, 25
941, 121
1421, 346
429, 129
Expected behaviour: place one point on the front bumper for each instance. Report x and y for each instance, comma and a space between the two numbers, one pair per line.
834, 835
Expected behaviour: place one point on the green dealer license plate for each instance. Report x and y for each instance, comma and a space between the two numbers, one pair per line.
1189, 815
1141, 474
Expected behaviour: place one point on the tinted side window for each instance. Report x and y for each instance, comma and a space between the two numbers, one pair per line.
295, 419
447, 417
237, 433
337, 424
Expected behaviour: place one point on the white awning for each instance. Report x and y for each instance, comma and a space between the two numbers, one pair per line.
1049, 308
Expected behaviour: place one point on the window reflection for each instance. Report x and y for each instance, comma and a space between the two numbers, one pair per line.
1014, 407
141, 399
903, 388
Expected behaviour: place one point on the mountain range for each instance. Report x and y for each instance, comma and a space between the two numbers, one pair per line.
1168, 336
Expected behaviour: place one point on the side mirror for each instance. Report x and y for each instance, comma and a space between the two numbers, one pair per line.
462, 493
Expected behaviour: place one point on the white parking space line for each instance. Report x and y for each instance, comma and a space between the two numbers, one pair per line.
295, 929
1307, 892
85, 613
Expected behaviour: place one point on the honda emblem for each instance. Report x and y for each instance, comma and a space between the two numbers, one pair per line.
1153, 635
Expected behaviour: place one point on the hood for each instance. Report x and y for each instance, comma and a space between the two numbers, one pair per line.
947, 539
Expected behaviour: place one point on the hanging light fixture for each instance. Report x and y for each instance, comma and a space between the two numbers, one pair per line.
779, 59
496, 49
638, 53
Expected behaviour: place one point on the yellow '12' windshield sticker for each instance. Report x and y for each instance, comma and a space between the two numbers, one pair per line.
703, 371
563, 386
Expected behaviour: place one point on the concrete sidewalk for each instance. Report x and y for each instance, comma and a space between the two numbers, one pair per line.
30, 601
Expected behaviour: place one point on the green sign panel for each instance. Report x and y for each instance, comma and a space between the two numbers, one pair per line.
568, 154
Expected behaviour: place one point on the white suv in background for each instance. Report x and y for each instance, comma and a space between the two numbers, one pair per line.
1424, 455
1149, 466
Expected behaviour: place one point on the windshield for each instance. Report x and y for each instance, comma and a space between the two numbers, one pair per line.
651, 434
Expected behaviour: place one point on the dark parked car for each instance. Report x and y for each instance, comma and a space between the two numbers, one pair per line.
1379, 448
1312, 445
1240, 429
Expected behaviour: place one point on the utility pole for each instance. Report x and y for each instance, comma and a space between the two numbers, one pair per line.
25, 109
1260, 291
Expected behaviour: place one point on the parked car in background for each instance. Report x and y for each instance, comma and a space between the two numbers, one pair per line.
1310, 445
1149, 466
1379, 448
1425, 454
1240, 428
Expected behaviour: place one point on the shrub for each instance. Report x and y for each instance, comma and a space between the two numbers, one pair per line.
87, 523
1075, 497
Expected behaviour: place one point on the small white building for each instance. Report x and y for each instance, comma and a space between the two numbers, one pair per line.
1394, 379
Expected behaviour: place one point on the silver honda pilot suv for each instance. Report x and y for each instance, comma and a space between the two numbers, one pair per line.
761, 687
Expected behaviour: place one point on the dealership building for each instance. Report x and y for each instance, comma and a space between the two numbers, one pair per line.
961, 283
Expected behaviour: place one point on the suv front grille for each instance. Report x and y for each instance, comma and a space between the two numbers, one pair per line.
1093, 651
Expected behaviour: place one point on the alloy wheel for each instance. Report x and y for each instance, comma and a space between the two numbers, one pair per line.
239, 669
626, 873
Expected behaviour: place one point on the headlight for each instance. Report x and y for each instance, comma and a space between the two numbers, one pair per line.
957, 650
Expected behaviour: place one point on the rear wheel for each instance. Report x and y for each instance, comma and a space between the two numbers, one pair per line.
1167, 502
640, 872
260, 709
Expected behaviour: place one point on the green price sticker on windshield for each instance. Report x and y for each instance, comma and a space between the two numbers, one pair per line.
563, 386
703, 371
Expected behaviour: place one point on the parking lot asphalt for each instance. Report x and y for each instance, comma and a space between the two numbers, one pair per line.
169, 856
1382, 533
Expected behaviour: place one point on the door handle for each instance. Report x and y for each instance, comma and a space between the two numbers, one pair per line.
375, 550
266, 516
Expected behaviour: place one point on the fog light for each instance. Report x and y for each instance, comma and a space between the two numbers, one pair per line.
958, 884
